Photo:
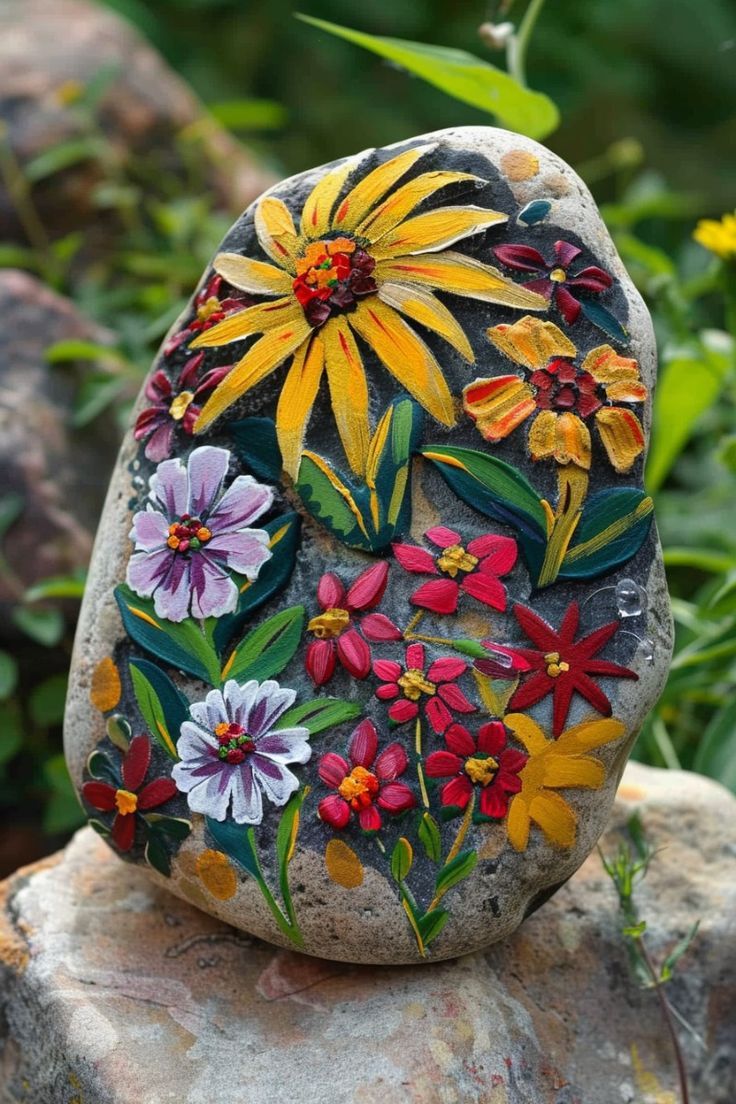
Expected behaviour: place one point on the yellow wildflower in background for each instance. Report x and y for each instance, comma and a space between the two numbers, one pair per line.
718, 235
359, 265
554, 765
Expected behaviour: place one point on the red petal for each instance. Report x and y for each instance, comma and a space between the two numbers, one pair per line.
453, 696
511, 762
442, 764
158, 387
538, 631
189, 371
377, 628
497, 553
459, 740
387, 692
442, 536
532, 690
486, 588
403, 711
396, 797
493, 801
413, 558
565, 253
392, 762
415, 657
354, 654
591, 279
123, 831
136, 761
332, 769
492, 738
592, 643
562, 693
369, 819
319, 661
438, 715
101, 795
592, 693
334, 810
613, 670
155, 793
364, 744
367, 590
568, 304
443, 670
387, 670
523, 258
330, 592
438, 595
570, 622
457, 792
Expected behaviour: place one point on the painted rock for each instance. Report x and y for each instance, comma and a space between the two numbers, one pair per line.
377, 606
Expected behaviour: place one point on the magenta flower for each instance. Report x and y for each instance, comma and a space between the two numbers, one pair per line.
336, 636
174, 405
193, 534
554, 281
365, 785
474, 569
437, 689
483, 762
210, 306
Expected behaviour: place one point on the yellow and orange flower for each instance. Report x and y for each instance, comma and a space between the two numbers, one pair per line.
718, 235
562, 395
554, 765
359, 264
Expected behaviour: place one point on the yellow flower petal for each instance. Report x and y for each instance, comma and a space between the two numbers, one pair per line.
253, 320
590, 734
406, 356
561, 437
607, 366
434, 230
348, 391
361, 199
218, 874
423, 307
531, 342
527, 732
498, 405
518, 823
276, 232
718, 236
555, 817
403, 201
261, 359
622, 436
256, 277
317, 210
460, 275
296, 401
567, 771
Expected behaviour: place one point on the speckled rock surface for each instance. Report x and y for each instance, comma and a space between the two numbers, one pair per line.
386, 497
115, 992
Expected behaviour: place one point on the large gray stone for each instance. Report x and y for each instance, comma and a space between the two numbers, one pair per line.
574, 355
115, 992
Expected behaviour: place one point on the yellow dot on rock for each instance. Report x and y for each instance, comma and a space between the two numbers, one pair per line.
218, 875
519, 165
343, 865
105, 689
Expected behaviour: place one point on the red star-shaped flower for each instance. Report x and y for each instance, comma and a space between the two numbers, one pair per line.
563, 666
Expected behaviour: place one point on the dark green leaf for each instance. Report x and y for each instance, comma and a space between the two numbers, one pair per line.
402, 858
320, 714
331, 500
63, 812
431, 924
604, 320
233, 839
46, 701
613, 526
11, 507
179, 644
100, 767
162, 706
8, 675
668, 966
178, 828
157, 854
267, 650
453, 872
119, 731
534, 212
11, 732
62, 156
716, 753
257, 446
430, 838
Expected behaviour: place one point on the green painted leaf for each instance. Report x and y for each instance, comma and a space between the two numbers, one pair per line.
284, 533
157, 854
100, 768
163, 708
233, 839
431, 924
257, 446
614, 525
461, 75
402, 858
179, 644
320, 714
331, 500
602, 318
453, 872
100, 828
429, 836
267, 650
118, 731
178, 828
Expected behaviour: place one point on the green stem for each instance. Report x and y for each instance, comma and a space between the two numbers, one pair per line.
519, 42
283, 923
455, 849
19, 191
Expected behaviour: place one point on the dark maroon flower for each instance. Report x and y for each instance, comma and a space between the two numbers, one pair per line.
484, 763
175, 405
555, 282
563, 666
211, 305
132, 797
473, 569
562, 386
367, 784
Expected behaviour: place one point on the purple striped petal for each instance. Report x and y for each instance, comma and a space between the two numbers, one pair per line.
207, 467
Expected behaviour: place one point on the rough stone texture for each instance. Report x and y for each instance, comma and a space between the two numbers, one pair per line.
47, 47
114, 992
369, 923
60, 472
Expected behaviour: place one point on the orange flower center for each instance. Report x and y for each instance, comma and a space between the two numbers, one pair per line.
187, 534
558, 275
555, 665
455, 559
208, 308
481, 771
125, 802
414, 684
359, 788
180, 405
332, 275
329, 624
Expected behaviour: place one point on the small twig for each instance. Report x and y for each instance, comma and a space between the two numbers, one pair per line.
518, 43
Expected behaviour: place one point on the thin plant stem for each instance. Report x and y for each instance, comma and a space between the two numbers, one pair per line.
519, 43
19, 191
455, 849
668, 1019
420, 772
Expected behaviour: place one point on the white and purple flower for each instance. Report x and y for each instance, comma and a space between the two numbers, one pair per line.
231, 756
192, 535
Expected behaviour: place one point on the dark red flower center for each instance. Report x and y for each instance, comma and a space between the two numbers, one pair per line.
234, 741
359, 788
331, 277
565, 387
188, 534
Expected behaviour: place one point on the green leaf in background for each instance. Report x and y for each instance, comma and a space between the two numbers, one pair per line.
716, 754
11, 733
46, 701
252, 114
8, 675
11, 507
63, 156
688, 385
179, 644
163, 708
57, 586
320, 714
461, 75
267, 650
63, 812
45, 626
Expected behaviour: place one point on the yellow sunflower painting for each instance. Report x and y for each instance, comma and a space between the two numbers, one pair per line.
361, 265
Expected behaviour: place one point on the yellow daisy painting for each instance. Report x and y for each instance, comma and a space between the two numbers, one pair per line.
358, 271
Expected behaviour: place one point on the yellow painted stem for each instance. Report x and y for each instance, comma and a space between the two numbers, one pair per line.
572, 483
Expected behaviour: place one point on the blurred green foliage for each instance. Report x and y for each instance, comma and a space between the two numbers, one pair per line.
647, 95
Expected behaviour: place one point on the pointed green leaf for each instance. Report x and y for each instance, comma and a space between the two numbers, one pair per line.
233, 839
431, 924
430, 838
613, 526
179, 644
162, 706
320, 714
402, 858
453, 872
267, 650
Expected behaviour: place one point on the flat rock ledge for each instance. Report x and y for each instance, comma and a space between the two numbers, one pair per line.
114, 992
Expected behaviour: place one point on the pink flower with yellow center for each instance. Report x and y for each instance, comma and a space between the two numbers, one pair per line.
410, 687
473, 569
482, 764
